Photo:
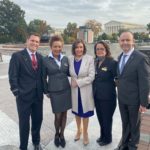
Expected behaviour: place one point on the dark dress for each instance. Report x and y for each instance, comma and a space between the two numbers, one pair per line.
80, 113
105, 96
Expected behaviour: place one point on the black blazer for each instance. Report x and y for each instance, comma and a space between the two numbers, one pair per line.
55, 79
104, 85
133, 82
22, 76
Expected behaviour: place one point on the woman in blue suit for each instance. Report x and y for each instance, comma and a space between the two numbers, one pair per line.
104, 90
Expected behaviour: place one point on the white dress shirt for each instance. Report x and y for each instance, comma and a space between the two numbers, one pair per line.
58, 61
128, 54
30, 54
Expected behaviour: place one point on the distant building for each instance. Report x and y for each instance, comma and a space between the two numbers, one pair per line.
115, 26
86, 34
56, 31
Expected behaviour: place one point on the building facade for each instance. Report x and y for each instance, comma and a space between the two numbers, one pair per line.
115, 26
86, 34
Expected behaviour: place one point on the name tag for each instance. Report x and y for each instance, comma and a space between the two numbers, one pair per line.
104, 69
65, 64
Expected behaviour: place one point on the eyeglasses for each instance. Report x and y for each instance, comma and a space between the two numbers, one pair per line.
102, 49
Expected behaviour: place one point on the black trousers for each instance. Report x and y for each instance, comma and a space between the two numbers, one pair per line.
105, 110
130, 117
29, 108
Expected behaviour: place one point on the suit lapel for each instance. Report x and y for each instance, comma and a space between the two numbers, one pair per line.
27, 60
83, 63
104, 63
72, 66
119, 59
128, 62
53, 61
38, 61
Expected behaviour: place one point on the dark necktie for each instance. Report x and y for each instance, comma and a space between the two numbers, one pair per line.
123, 63
34, 62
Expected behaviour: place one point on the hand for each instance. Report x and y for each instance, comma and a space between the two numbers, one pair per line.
142, 109
73, 83
16, 93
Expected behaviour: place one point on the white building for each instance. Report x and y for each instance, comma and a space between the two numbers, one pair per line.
115, 26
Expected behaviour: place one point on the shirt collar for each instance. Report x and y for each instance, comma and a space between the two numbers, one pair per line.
29, 52
59, 57
129, 52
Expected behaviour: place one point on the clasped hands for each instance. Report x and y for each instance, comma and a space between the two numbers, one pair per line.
73, 83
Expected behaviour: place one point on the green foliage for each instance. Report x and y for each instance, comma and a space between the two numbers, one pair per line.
104, 36
38, 26
12, 23
114, 37
95, 26
139, 37
70, 33
148, 27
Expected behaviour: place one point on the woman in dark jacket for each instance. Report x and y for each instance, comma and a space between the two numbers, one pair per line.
57, 86
104, 91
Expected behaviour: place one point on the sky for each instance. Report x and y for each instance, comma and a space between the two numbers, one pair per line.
57, 13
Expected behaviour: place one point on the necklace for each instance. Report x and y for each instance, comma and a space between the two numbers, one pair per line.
77, 59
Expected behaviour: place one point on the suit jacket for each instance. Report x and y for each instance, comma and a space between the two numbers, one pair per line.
23, 78
104, 87
133, 82
57, 77
84, 81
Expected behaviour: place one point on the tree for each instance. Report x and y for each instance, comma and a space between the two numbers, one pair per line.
38, 26
105, 36
94, 25
70, 32
148, 27
12, 23
114, 37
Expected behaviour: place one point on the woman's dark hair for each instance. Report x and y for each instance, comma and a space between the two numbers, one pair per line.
74, 46
108, 53
55, 38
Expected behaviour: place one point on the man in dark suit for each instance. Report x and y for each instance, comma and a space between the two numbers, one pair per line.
133, 89
25, 77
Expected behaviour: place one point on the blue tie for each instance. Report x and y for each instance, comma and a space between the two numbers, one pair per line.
123, 63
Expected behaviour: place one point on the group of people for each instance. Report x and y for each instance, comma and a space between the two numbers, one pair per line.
92, 84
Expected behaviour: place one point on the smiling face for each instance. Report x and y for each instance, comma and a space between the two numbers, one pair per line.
126, 41
56, 48
33, 43
79, 50
100, 50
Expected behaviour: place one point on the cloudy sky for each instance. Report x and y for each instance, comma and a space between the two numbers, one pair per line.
58, 13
